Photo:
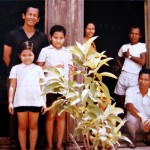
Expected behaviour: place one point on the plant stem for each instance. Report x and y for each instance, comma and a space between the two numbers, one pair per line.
77, 146
85, 143
87, 139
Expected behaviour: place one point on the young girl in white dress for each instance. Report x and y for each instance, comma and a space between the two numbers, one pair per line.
55, 55
25, 95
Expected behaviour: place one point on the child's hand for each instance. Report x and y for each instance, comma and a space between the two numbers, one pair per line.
60, 65
72, 68
43, 110
11, 108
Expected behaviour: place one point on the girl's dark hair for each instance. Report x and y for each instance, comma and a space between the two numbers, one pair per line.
57, 28
28, 45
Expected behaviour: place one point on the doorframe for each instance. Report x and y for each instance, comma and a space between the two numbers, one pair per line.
147, 30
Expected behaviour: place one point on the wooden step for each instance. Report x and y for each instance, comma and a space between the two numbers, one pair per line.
5, 144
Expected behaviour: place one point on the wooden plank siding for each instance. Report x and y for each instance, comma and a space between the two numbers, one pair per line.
70, 14
147, 29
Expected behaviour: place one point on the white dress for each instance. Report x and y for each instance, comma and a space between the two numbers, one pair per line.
28, 91
52, 57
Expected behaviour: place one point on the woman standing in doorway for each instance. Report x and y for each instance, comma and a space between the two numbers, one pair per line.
89, 31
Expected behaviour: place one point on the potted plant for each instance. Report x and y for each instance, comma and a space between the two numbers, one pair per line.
89, 103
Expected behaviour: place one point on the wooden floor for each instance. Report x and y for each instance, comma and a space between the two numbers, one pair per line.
5, 145
137, 148
140, 146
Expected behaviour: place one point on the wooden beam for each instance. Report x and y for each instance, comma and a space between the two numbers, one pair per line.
147, 30
70, 14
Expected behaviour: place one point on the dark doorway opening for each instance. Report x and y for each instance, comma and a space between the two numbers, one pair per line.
11, 18
113, 19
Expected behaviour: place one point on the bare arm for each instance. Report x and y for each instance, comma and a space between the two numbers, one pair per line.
41, 64
72, 68
146, 122
12, 90
7, 54
70, 72
133, 111
139, 60
44, 98
118, 61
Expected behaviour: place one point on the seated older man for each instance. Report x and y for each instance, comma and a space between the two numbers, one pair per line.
137, 102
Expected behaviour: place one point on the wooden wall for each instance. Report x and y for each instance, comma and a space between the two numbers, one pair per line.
68, 13
147, 29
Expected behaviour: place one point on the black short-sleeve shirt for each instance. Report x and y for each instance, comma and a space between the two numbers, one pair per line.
16, 37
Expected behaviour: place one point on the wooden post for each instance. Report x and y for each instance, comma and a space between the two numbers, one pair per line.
147, 30
70, 14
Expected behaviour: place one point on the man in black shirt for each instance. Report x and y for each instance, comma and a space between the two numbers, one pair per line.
27, 32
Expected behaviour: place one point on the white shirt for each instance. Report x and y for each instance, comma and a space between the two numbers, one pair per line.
135, 50
28, 92
52, 57
141, 103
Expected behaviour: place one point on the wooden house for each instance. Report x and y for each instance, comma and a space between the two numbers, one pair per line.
112, 19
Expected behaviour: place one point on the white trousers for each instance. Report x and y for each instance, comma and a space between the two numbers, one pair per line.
134, 126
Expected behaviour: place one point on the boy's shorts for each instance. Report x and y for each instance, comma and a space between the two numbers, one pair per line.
125, 81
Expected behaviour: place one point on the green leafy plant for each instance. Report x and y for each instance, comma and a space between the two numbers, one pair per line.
89, 103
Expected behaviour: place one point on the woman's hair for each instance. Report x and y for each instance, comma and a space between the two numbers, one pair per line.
57, 28
28, 45
86, 24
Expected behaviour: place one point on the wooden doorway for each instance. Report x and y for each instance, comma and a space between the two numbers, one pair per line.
113, 19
